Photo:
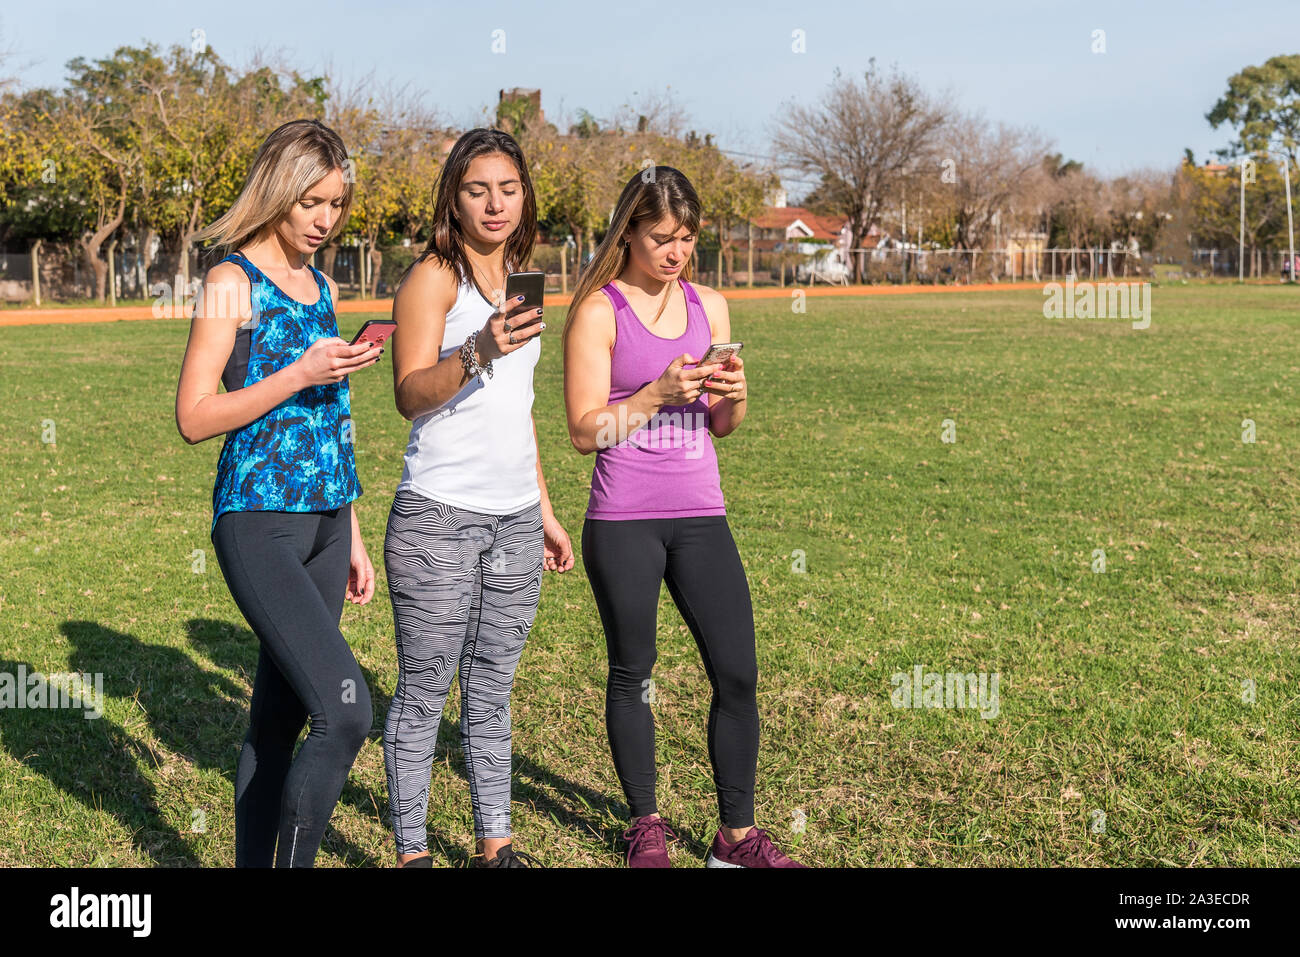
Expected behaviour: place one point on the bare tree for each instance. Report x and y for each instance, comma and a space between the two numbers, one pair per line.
1079, 213
652, 113
1138, 203
10, 67
867, 137
393, 139
991, 176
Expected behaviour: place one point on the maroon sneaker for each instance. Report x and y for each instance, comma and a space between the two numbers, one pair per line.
755, 849
647, 843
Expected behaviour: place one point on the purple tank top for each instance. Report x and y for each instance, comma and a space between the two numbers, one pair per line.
667, 468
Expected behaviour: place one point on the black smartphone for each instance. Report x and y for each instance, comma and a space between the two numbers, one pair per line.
374, 330
530, 285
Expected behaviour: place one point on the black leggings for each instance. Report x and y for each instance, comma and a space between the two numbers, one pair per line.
288, 572
626, 561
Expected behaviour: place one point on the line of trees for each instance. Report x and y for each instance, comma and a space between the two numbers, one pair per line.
894, 158
140, 149
144, 147
137, 146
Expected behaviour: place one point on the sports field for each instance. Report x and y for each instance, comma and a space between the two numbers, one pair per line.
1146, 715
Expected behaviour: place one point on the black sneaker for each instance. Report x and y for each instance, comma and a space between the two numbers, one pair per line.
423, 860
508, 857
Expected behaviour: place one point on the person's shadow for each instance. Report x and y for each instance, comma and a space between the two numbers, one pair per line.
97, 761
195, 713
202, 716
235, 648
534, 784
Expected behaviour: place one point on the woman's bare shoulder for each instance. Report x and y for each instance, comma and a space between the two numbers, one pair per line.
593, 316
430, 280
225, 272
709, 296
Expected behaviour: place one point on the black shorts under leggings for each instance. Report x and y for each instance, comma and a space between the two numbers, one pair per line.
697, 557
288, 572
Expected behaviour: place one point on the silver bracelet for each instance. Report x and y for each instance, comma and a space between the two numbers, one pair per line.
470, 362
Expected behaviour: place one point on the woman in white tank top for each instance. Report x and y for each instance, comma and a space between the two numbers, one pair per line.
447, 457
471, 527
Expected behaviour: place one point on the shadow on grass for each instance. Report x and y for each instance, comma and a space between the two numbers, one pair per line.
95, 761
191, 712
98, 762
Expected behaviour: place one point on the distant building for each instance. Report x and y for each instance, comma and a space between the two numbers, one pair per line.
775, 196
778, 226
529, 102
1024, 249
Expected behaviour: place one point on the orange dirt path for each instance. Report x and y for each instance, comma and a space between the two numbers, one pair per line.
32, 317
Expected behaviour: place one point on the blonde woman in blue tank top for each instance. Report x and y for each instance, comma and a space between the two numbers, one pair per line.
283, 526
471, 527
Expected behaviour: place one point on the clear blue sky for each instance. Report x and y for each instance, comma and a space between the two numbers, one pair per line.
730, 65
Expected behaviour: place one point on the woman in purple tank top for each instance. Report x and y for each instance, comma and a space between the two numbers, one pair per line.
635, 396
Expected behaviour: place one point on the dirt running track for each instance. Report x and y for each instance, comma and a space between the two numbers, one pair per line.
34, 317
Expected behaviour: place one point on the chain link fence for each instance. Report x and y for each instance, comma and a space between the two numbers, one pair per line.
65, 277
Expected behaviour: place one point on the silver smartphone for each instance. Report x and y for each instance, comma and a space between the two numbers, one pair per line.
719, 352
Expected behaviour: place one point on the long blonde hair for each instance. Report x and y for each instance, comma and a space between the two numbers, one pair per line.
649, 196
289, 161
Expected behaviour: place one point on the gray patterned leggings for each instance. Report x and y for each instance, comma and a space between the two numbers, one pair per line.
464, 588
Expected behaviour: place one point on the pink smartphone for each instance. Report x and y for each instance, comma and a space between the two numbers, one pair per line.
375, 330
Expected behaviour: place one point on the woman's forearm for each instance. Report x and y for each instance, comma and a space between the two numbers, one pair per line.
606, 427
429, 389
218, 413
725, 416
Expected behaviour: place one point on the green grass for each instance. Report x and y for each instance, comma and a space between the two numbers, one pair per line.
1120, 692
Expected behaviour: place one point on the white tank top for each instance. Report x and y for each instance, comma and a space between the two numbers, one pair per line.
477, 452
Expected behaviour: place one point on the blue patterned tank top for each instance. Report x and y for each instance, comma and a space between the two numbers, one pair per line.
298, 457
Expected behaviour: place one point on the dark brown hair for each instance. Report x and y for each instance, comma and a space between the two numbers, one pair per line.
448, 242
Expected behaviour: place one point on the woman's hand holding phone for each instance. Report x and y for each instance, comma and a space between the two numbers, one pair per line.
331, 360
511, 327
729, 382
681, 386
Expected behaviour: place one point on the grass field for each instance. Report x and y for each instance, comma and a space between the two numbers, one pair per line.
1125, 733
